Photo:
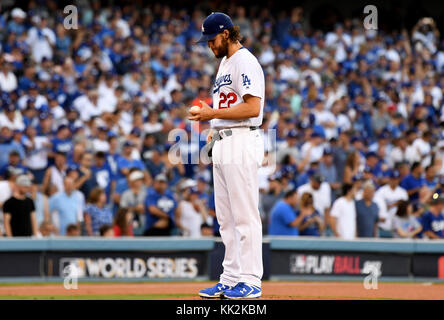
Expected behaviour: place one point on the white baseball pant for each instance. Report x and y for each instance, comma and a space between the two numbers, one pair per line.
236, 160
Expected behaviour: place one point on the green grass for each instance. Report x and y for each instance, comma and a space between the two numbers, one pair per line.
95, 297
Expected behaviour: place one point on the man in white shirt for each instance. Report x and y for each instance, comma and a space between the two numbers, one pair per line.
326, 119
34, 95
107, 101
422, 147
11, 118
314, 148
340, 41
389, 196
41, 39
87, 105
8, 80
343, 214
321, 192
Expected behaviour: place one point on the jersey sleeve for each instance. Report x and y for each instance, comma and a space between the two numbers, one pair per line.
249, 78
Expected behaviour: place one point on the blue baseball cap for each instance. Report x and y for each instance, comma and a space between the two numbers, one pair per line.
394, 174
214, 24
292, 134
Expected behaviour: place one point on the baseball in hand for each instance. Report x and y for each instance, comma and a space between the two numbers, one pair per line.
194, 109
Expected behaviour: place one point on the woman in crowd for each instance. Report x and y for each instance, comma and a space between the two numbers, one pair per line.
123, 223
405, 224
312, 224
351, 167
97, 213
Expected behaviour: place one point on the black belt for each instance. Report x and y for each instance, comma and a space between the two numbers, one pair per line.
217, 137
228, 132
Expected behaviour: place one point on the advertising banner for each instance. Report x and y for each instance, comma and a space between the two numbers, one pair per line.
346, 263
108, 265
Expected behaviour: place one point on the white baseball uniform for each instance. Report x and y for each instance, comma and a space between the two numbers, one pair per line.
236, 160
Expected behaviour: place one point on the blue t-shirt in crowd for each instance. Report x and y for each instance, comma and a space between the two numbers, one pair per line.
67, 206
410, 182
18, 169
431, 183
62, 145
6, 148
281, 216
366, 218
313, 228
433, 223
104, 176
164, 202
124, 163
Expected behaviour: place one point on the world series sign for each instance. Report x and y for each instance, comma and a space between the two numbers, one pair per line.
111, 265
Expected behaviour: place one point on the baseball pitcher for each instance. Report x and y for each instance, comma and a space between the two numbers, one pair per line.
237, 154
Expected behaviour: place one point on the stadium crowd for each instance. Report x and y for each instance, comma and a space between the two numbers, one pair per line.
354, 121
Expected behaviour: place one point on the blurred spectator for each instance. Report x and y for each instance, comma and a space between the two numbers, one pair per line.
13, 164
106, 231
41, 39
433, 219
388, 198
414, 182
8, 80
54, 176
73, 230
125, 161
352, 166
367, 213
41, 204
103, 173
134, 198
97, 214
313, 148
283, 219
329, 172
206, 230
313, 223
86, 181
160, 207
7, 188
321, 192
343, 214
268, 199
19, 211
46, 229
123, 223
192, 212
36, 158
405, 224
66, 206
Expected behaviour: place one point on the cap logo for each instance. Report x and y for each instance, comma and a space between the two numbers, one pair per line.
221, 26
203, 29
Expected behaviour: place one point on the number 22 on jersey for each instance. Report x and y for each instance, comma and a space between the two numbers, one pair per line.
226, 100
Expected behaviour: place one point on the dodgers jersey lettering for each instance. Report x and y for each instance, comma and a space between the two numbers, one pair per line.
237, 76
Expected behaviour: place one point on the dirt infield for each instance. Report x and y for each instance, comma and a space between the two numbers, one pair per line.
271, 290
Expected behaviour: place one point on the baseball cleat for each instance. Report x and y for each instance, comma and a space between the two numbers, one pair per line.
243, 291
214, 292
